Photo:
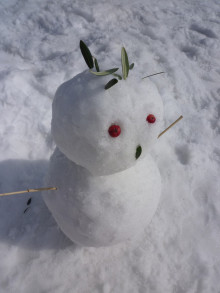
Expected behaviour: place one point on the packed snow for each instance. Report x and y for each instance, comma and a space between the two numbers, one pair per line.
102, 210
39, 50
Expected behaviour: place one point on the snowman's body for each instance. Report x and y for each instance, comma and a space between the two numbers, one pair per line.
105, 195
102, 210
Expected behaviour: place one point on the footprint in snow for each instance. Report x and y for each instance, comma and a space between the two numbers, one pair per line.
204, 31
183, 154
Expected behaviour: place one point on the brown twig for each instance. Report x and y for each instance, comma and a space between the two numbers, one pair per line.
29, 190
170, 126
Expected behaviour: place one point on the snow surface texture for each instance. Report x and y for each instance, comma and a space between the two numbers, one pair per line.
83, 111
180, 250
102, 210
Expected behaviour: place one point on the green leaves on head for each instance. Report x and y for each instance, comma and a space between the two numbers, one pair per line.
96, 64
131, 66
91, 61
111, 83
124, 63
117, 75
106, 72
86, 54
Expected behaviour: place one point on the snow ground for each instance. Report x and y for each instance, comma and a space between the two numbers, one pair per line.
39, 49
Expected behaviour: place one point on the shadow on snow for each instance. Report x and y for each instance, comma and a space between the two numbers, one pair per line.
36, 228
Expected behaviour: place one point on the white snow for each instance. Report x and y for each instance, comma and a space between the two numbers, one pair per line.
102, 210
39, 50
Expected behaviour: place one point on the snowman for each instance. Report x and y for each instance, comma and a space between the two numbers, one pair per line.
108, 184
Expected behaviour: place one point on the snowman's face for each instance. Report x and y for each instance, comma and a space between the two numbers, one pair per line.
104, 130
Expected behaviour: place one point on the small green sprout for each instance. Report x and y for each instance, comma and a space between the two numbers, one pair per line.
106, 72
86, 54
124, 63
96, 64
111, 83
91, 61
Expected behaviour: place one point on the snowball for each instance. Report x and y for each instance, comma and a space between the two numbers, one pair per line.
102, 210
83, 111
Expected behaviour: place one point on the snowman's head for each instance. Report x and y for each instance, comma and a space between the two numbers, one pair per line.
106, 131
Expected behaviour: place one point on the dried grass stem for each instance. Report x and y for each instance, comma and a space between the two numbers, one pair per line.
29, 190
170, 126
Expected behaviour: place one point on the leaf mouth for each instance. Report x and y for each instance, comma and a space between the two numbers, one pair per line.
138, 152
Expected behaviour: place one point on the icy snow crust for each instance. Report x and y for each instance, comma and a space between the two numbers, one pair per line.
83, 111
102, 210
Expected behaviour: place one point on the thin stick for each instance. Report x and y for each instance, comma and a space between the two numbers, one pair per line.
170, 126
29, 190
152, 75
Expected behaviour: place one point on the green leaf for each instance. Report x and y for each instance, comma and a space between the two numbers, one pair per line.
111, 83
118, 76
138, 152
106, 72
131, 66
124, 63
96, 64
86, 54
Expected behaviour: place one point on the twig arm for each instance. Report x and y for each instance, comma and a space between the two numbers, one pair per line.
29, 190
170, 126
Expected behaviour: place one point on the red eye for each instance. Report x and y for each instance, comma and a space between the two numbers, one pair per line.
114, 130
151, 118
